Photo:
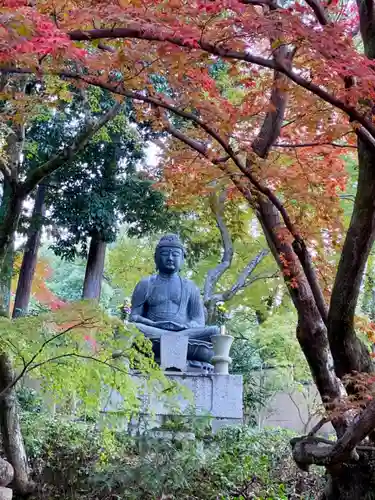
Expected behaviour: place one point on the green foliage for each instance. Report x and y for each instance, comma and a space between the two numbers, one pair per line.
248, 361
279, 348
78, 461
129, 259
67, 277
70, 352
103, 186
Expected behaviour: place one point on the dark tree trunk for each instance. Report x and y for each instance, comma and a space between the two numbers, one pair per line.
311, 331
10, 211
94, 268
30, 256
352, 480
348, 352
9, 422
11, 431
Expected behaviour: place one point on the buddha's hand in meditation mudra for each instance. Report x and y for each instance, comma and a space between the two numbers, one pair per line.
170, 325
163, 325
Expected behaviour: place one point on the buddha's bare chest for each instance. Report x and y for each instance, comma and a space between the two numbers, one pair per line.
165, 295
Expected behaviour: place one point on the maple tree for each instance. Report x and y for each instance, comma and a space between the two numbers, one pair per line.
20, 103
304, 79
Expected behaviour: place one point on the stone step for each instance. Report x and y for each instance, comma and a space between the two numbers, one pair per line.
5, 493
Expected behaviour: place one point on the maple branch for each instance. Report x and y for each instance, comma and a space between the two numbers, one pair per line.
319, 11
144, 33
318, 426
304, 257
106, 48
314, 144
273, 121
213, 275
27, 365
309, 450
80, 356
242, 281
68, 153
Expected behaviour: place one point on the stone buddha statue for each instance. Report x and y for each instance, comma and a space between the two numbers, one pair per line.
166, 302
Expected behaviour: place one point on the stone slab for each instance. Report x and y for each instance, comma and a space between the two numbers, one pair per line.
173, 351
217, 396
6, 472
227, 397
5, 493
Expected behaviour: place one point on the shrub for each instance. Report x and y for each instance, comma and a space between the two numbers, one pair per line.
78, 461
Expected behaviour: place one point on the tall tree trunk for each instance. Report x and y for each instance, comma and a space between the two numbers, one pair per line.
9, 422
92, 284
11, 434
349, 353
30, 256
352, 480
311, 330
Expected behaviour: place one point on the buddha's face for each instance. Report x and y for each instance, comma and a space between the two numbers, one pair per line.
169, 260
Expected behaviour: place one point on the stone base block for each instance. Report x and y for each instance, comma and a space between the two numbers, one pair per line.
6, 472
215, 395
173, 351
5, 493
204, 395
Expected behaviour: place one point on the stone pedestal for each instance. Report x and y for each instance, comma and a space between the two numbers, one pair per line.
173, 351
213, 395
6, 472
5, 493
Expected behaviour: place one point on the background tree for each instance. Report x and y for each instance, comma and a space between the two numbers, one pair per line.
18, 108
103, 187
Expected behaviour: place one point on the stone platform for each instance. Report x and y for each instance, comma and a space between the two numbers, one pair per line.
213, 395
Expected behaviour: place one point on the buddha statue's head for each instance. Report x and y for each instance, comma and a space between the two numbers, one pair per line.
169, 254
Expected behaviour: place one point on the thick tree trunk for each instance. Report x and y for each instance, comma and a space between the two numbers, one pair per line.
10, 211
348, 352
311, 331
94, 268
30, 256
352, 480
10, 430
9, 422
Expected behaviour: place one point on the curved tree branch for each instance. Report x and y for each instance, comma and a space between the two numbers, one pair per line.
319, 11
310, 450
68, 153
243, 281
165, 35
213, 275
